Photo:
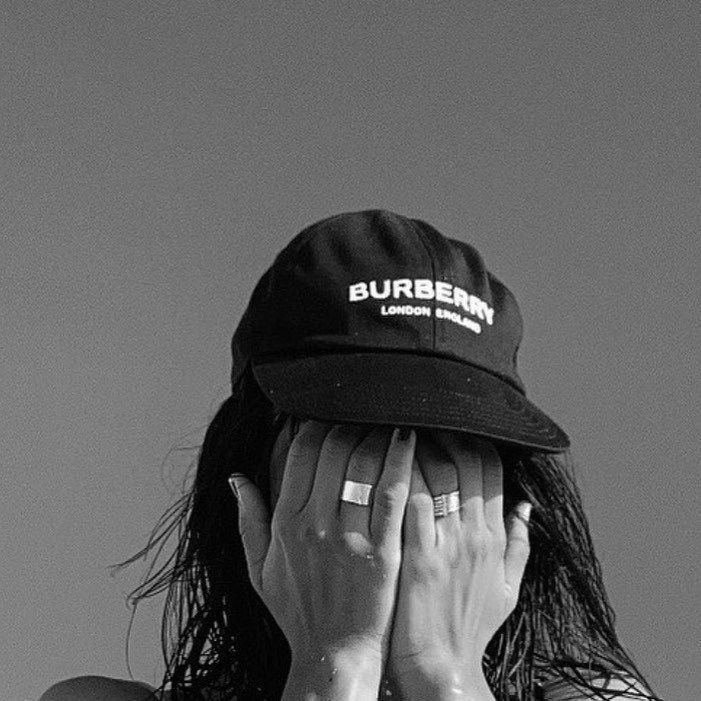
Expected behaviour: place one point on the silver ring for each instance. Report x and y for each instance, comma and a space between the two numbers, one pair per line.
356, 492
445, 504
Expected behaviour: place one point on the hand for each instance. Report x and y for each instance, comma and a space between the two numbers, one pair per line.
327, 570
460, 573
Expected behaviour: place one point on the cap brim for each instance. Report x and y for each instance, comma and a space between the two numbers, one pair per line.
405, 389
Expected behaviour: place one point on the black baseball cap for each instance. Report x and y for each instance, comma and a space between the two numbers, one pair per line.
374, 318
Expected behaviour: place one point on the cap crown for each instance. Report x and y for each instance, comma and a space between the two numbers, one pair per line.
375, 280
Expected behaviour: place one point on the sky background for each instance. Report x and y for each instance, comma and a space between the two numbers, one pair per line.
155, 156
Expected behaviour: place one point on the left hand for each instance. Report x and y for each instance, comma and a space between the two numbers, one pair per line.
460, 573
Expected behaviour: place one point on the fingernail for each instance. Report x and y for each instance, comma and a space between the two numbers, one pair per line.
232, 484
524, 510
404, 433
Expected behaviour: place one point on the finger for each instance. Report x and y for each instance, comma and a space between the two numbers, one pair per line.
419, 523
392, 490
300, 466
254, 526
466, 457
364, 466
278, 457
492, 487
441, 477
436, 465
331, 468
517, 549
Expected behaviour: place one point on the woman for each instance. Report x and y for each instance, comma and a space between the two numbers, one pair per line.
405, 524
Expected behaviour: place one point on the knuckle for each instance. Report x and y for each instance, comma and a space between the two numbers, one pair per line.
311, 534
421, 566
478, 545
353, 543
391, 498
422, 503
498, 539
390, 555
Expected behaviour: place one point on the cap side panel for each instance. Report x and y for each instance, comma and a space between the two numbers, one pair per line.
351, 278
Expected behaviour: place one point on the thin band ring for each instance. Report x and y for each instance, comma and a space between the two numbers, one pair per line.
444, 504
356, 492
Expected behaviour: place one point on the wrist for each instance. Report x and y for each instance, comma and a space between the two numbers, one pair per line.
339, 676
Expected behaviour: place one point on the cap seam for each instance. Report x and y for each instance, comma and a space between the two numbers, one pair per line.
428, 249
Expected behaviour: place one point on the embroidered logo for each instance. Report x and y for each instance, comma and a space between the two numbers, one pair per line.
424, 289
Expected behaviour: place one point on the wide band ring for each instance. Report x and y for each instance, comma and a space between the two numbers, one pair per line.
356, 492
444, 504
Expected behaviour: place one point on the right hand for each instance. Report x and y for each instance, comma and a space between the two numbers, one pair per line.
328, 570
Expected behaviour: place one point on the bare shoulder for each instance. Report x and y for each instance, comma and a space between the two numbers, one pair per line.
94, 688
568, 691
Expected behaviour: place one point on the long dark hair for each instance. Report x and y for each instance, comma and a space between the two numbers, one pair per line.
218, 636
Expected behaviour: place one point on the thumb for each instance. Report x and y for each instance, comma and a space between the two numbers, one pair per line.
254, 526
517, 550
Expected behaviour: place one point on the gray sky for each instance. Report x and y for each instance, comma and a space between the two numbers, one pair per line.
155, 157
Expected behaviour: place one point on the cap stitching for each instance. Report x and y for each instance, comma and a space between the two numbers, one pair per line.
426, 246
